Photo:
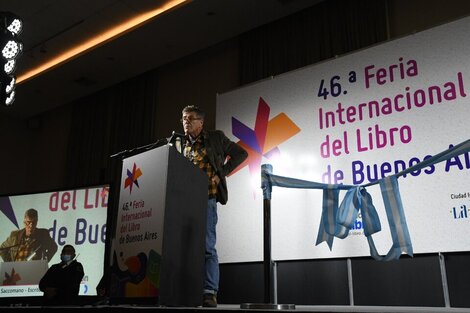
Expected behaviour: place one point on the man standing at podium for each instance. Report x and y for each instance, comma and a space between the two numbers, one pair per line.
28, 243
217, 156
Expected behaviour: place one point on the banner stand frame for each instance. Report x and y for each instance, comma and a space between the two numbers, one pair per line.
270, 290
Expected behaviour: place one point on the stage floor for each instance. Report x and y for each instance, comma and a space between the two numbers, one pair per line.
235, 308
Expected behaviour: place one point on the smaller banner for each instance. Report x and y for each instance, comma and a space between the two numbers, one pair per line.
137, 245
76, 217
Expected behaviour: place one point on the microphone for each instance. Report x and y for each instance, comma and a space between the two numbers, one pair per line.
32, 255
173, 133
177, 140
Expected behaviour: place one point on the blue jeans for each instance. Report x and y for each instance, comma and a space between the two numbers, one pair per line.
211, 281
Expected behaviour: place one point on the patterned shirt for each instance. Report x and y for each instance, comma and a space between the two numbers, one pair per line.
24, 250
197, 154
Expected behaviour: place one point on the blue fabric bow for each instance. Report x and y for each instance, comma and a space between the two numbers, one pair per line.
336, 221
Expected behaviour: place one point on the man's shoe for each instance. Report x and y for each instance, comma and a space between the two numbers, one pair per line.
209, 300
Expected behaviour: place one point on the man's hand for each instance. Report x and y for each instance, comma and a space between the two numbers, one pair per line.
216, 179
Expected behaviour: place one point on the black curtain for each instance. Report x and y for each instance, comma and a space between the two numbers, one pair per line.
115, 119
119, 118
325, 30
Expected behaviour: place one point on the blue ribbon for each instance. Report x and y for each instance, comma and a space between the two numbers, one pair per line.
336, 221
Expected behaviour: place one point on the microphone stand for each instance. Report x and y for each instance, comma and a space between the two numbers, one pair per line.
177, 140
32, 255
126, 153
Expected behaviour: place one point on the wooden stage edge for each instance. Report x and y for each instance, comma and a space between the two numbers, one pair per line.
231, 308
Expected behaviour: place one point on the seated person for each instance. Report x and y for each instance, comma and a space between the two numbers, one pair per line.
61, 283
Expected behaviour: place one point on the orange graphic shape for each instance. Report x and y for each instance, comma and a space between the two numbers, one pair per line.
145, 288
280, 129
253, 159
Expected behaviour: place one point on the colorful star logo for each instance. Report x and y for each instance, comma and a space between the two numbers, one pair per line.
104, 194
12, 278
264, 140
132, 177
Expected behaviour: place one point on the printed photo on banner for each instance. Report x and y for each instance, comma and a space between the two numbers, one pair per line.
35, 227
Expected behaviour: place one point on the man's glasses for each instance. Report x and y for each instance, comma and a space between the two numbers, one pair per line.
189, 119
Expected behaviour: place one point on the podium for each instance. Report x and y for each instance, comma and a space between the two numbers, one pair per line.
159, 244
25, 272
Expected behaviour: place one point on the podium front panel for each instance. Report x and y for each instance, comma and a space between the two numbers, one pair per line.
159, 245
184, 233
26, 272
137, 246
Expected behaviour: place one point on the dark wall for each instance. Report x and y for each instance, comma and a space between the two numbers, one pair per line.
409, 281
319, 282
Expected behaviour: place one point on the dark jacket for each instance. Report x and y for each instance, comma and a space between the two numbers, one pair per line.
66, 279
41, 242
219, 147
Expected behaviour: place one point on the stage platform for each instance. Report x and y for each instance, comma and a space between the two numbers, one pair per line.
227, 308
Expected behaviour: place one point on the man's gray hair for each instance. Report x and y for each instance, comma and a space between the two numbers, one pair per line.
194, 108
31, 213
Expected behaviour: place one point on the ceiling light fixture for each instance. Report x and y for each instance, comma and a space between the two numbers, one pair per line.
99, 40
12, 22
10, 98
7, 89
11, 48
9, 67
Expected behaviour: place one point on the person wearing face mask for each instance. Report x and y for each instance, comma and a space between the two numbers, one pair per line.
61, 283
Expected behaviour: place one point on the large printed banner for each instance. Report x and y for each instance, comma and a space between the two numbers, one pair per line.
354, 120
137, 246
76, 217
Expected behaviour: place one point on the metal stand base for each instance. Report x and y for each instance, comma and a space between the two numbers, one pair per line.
267, 306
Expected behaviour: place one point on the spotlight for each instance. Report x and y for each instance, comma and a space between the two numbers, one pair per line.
7, 89
11, 22
10, 85
10, 27
10, 99
10, 67
11, 47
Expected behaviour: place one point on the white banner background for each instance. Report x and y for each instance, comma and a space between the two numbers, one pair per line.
139, 227
435, 202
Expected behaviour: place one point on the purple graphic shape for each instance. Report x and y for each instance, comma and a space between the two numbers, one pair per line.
245, 134
7, 209
131, 176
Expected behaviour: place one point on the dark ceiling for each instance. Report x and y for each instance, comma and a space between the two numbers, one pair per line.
50, 26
